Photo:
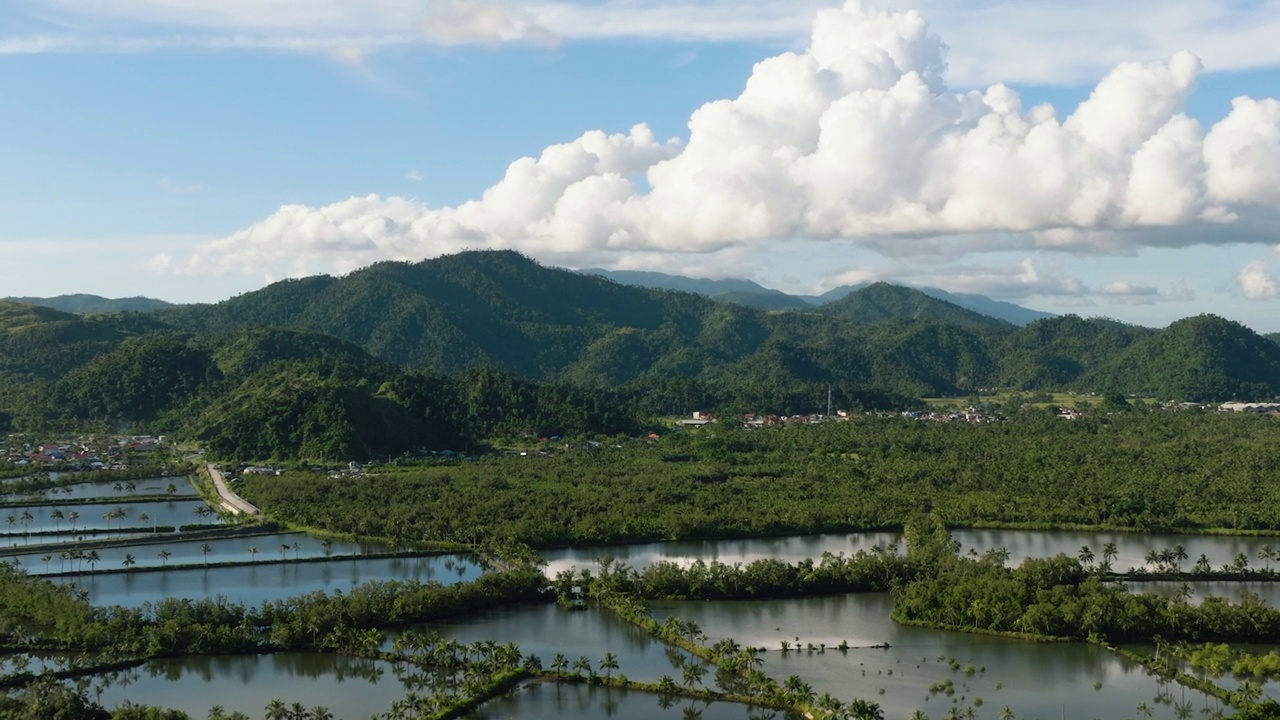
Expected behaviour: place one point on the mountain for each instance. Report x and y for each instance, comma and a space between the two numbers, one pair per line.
447, 352
730, 290
663, 281
984, 305
751, 294
768, 300
84, 304
882, 301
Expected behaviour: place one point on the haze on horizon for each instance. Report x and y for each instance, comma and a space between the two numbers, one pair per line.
1067, 157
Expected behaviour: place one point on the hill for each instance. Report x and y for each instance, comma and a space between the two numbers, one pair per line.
83, 304
447, 352
752, 294
882, 301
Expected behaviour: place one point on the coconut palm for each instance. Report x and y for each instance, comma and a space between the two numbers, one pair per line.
559, 663
57, 517
74, 517
129, 560
205, 549
164, 556
27, 517
608, 664
1085, 556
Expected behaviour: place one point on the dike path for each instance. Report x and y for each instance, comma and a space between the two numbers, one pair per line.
232, 502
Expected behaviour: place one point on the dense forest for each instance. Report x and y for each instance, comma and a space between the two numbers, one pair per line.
1140, 472
448, 353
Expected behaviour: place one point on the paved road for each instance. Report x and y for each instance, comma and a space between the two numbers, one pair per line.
233, 503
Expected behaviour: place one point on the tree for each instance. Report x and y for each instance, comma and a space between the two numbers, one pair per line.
164, 556
693, 673
57, 518
253, 553
205, 549
27, 517
93, 557
75, 518
129, 561
608, 664
559, 663
1085, 556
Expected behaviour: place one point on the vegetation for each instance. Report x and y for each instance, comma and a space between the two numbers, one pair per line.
450, 352
1140, 471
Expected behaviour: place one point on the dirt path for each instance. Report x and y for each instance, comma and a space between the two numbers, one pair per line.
232, 502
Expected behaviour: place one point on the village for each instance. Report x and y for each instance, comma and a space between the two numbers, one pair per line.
80, 453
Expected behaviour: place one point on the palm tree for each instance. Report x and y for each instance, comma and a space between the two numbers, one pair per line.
1266, 554
93, 557
1085, 556
108, 516
57, 517
143, 517
582, 664
46, 560
1202, 564
693, 673
666, 685
205, 549
27, 517
164, 556
1109, 553
129, 561
253, 553
1006, 713
74, 517
276, 710
1152, 558
1144, 710
131, 487
284, 548
170, 489
559, 663
608, 664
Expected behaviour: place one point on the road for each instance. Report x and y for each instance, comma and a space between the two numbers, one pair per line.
232, 502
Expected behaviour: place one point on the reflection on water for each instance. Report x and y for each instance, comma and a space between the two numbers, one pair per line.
290, 546
254, 584
348, 687
579, 702
1131, 549
545, 630
1033, 680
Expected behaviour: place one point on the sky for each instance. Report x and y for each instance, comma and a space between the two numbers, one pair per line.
1082, 156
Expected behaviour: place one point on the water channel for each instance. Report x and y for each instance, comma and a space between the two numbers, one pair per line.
1033, 680
1022, 544
253, 584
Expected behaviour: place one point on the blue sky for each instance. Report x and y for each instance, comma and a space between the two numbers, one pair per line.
192, 149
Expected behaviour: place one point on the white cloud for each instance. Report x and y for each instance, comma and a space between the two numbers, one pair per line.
1257, 283
414, 176
463, 22
1035, 41
855, 138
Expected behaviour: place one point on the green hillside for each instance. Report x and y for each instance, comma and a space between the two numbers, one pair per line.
882, 301
448, 352
82, 304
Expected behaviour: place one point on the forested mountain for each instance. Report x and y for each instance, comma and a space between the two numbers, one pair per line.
447, 352
752, 294
81, 303
505, 311
882, 301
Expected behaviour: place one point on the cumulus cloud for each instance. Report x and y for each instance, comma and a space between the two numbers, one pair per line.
857, 137
1257, 283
